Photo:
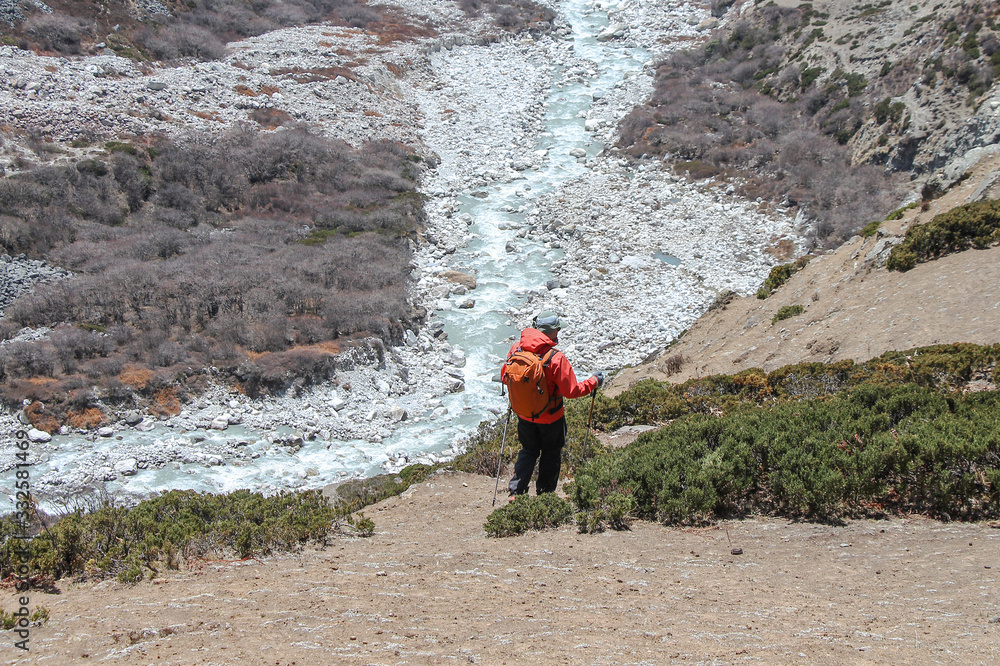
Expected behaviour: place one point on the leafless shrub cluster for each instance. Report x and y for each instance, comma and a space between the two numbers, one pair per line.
673, 364
196, 29
513, 15
199, 254
58, 33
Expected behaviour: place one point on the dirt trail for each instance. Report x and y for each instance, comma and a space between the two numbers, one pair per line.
430, 588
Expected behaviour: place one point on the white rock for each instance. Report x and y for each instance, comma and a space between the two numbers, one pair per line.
613, 31
456, 358
39, 436
127, 467
105, 432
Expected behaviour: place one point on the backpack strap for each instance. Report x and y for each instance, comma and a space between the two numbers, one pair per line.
553, 400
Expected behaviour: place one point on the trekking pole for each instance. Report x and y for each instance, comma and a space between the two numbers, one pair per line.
590, 420
503, 443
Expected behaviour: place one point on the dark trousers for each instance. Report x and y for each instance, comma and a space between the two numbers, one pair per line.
541, 443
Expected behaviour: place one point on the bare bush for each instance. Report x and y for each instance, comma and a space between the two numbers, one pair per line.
513, 15
358, 16
673, 364
164, 288
58, 33
181, 40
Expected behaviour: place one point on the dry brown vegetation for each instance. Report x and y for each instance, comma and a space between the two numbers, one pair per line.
200, 29
196, 29
747, 104
193, 255
512, 15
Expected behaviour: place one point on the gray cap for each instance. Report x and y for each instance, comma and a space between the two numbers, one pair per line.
547, 322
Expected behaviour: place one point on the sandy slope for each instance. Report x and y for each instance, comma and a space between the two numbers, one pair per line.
853, 308
430, 588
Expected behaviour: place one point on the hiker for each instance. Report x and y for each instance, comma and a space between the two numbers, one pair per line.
541, 423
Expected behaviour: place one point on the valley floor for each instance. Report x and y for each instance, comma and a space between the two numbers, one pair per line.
430, 588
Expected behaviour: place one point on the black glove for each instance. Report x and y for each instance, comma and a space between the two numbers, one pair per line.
600, 378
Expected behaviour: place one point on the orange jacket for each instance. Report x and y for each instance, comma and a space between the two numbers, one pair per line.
559, 374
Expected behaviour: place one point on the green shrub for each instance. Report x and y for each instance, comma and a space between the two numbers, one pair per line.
482, 448
888, 110
528, 513
120, 147
866, 452
810, 74
649, 402
975, 225
127, 542
786, 312
779, 275
899, 212
365, 526
356, 494
38, 617
856, 84
615, 510
870, 229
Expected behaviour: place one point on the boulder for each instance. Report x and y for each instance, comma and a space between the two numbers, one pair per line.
397, 413
456, 358
464, 279
880, 253
127, 467
613, 31
105, 432
39, 436
133, 418
220, 423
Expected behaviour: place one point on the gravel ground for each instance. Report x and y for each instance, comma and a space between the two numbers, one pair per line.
430, 588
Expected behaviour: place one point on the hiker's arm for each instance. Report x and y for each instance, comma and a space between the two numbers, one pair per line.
565, 378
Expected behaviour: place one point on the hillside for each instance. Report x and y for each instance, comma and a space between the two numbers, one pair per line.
853, 306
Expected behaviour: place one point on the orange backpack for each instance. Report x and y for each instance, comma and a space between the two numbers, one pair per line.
524, 375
